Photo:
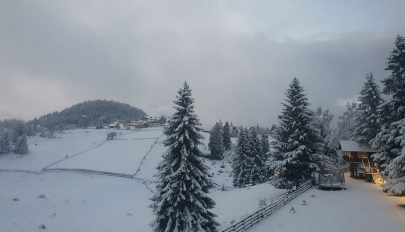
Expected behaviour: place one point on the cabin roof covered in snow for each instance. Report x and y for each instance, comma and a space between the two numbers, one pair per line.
349, 145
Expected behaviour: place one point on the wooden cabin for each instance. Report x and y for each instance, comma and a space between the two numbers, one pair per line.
361, 164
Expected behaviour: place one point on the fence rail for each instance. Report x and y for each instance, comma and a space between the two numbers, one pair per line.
88, 171
262, 213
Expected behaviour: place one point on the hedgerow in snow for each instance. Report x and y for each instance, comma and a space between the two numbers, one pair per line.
367, 123
181, 202
295, 140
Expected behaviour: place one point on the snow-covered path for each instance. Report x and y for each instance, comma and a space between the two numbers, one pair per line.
362, 207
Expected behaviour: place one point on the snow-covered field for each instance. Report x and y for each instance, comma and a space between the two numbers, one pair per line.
65, 201
121, 156
45, 151
73, 202
82, 202
362, 207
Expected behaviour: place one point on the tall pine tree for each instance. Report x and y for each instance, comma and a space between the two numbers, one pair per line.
295, 139
181, 202
390, 141
227, 136
367, 124
265, 143
326, 157
347, 122
216, 143
5, 146
257, 159
241, 166
21, 146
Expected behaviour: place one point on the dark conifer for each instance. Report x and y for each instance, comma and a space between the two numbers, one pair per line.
295, 139
367, 123
181, 202
390, 141
257, 158
216, 144
241, 166
227, 136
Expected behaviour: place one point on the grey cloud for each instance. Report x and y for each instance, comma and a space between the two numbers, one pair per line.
238, 58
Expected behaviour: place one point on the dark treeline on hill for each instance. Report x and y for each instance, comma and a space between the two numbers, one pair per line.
89, 113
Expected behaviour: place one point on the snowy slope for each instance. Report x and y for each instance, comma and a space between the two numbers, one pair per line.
82, 202
74, 202
362, 207
148, 168
236, 204
44, 151
88, 202
120, 156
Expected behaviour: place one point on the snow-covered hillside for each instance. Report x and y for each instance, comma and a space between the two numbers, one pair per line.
362, 207
66, 201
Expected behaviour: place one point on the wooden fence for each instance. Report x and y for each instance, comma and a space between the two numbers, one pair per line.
262, 213
88, 171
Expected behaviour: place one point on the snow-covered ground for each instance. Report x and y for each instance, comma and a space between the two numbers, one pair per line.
73, 202
83, 202
234, 205
44, 151
362, 207
120, 156
88, 202
65, 201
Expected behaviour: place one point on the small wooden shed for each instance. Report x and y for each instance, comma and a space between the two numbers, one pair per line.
361, 164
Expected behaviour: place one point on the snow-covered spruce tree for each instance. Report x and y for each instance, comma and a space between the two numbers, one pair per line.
216, 144
241, 162
5, 146
21, 146
326, 157
18, 131
390, 140
162, 120
295, 140
396, 169
257, 173
322, 121
227, 136
367, 123
384, 142
181, 202
265, 143
347, 122
234, 131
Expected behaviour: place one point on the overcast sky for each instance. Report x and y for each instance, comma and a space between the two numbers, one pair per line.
238, 56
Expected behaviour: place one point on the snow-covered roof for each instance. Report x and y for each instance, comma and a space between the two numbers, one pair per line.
348, 145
